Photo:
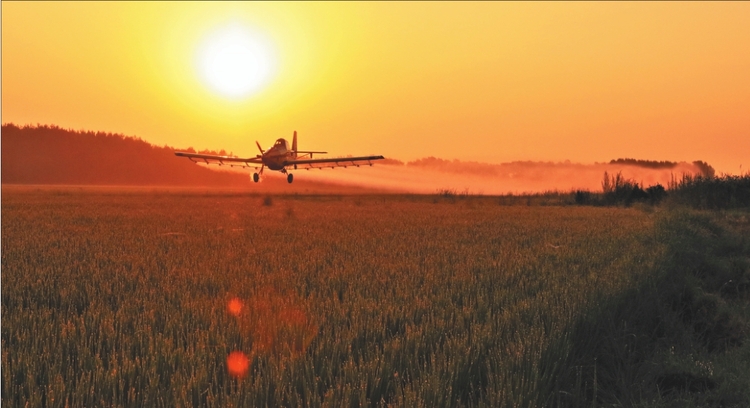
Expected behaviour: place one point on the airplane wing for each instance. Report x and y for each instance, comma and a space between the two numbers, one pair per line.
222, 160
332, 162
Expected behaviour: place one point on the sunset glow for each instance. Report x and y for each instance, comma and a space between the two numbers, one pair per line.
234, 63
391, 203
490, 82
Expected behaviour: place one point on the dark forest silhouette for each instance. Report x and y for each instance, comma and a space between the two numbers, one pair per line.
51, 155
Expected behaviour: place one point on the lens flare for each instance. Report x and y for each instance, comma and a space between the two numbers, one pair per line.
237, 364
235, 307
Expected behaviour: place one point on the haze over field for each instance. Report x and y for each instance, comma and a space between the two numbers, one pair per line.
474, 82
430, 175
50, 155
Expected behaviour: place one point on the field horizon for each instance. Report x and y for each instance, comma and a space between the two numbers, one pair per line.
47, 154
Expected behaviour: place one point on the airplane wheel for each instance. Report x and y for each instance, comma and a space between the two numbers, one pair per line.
289, 178
256, 177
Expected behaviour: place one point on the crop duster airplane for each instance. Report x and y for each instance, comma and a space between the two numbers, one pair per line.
281, 157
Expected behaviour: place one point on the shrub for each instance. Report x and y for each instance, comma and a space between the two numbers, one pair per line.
619, 190
582, 197
704, 192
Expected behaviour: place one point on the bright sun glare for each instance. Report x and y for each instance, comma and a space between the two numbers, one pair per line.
235, 62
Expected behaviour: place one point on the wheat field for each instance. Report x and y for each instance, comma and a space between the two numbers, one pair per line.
139, 297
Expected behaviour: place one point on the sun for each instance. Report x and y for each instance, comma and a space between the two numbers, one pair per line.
235, 62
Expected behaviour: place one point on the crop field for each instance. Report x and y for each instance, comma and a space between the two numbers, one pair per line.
220, 299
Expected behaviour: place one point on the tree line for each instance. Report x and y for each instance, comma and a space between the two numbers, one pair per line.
45, 154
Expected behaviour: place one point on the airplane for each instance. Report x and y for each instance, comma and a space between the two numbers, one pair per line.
281, 157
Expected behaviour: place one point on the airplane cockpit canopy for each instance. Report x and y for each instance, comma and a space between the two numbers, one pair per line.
281, 142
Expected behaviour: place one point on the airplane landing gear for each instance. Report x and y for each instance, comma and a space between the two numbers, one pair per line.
256, 177
289, 178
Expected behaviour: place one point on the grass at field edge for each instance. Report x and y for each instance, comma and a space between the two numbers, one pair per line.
680, 337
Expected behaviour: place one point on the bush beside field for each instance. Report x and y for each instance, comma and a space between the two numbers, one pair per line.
696, 191
712, 193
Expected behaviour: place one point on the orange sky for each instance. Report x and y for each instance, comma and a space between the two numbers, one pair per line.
491, 82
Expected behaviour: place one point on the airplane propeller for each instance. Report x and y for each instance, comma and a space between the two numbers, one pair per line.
259, 148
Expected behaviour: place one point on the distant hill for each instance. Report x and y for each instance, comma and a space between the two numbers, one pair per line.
47, 154
52, 155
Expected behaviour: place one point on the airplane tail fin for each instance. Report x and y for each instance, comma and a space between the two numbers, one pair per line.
294, 143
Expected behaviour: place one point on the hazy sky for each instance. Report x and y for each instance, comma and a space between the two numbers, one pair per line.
492, 82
